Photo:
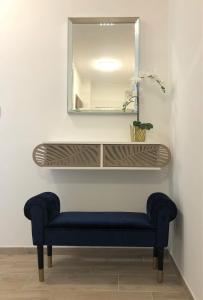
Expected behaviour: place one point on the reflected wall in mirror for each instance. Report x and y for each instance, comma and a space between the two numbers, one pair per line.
103, 62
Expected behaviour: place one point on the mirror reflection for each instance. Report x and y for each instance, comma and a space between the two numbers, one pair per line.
104, 64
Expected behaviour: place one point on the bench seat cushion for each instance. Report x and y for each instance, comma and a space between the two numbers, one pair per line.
101, 220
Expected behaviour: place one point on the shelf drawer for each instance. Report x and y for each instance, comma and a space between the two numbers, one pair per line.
135, 155
67, 155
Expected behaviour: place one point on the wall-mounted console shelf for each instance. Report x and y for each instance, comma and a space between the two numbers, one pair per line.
102, 156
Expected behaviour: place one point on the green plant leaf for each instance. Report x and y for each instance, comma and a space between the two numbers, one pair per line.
149, 126
143, 126
137, 123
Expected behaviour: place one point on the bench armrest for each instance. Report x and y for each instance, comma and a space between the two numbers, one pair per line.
41, 209
161, 210
160, 204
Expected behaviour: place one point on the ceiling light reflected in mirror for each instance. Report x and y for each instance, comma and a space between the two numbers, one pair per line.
106, 24
107, 64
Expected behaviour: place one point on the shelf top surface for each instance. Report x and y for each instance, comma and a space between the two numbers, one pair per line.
99, 143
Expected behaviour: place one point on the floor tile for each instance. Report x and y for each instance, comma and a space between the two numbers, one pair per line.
89, 274
170, 296
148, 283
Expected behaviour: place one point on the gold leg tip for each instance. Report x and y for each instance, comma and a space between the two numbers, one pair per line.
41, 275
49, 260
160, 276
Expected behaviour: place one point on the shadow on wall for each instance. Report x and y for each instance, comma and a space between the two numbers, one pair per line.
177, 239
109, 176
105, 190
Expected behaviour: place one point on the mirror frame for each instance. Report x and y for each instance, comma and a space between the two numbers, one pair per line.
96, 20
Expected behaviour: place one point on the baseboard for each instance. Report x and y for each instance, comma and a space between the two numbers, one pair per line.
17, 250
129, 252
182, 279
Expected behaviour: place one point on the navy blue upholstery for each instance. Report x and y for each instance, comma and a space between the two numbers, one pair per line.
47, 202
101, 220
161, 211
41, 210
160, 203
50, 227
114, 237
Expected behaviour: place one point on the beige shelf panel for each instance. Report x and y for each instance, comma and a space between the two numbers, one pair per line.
136, 155
67, 155
102, 156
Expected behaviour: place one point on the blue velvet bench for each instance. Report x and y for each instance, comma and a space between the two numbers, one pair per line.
51, 227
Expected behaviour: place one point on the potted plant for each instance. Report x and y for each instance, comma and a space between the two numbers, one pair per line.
138, 130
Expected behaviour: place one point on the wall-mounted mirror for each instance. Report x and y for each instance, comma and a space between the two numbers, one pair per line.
103, 62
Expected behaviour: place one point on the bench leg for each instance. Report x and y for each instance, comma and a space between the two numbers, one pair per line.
155, 258
40, 256
160, 265
49, 256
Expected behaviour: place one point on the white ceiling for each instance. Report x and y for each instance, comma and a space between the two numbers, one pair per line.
92, 41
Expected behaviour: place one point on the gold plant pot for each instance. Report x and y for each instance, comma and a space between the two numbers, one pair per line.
137, 134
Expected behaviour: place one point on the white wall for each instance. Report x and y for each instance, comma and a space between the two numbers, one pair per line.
185, 19
33, 91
